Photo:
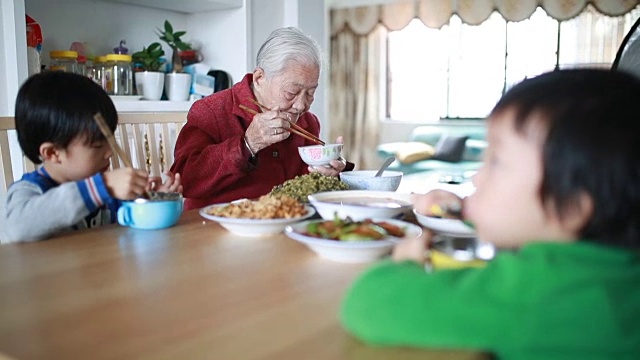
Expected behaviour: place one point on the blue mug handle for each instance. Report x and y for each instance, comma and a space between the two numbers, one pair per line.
124, 215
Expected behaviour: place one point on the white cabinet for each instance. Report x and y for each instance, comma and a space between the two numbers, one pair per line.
230, 32
189, 7
220, 26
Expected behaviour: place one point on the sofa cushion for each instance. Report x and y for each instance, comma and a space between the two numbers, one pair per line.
474, 150
413, 151
450, 147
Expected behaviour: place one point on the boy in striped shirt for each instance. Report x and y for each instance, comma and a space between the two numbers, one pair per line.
73, 189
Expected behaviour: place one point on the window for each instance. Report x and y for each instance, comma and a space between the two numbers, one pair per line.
460, 70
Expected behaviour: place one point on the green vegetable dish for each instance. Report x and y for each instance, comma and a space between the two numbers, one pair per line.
349, 230
302, 186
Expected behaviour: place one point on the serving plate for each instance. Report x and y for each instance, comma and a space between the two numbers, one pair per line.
253, 227
453, 227
350, 251
361, 204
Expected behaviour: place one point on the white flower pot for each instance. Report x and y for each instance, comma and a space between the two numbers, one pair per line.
150, 84
177, 86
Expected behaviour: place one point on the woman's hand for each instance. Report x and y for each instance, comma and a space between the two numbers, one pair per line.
267, 128
172, 184
336, 166
126, 183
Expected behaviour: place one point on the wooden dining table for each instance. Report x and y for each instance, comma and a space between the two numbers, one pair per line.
192, 291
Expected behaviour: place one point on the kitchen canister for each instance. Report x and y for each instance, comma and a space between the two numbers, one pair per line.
63, 60
119, 74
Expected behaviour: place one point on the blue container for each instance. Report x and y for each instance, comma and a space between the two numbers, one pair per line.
161, 211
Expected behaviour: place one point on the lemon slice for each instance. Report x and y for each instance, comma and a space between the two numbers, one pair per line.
440, 260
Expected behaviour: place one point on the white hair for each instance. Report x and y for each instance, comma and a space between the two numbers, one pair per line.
284, 45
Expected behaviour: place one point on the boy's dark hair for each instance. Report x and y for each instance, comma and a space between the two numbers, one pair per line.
592, 146
57, 107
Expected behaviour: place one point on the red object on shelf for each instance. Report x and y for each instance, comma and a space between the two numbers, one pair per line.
189, 57
34, 33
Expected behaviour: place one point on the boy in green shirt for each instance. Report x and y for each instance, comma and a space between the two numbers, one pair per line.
561, 187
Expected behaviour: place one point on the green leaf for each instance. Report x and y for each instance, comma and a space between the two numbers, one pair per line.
167, 27
178, 34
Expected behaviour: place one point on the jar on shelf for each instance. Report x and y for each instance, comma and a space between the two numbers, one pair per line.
119, 74
99, 72
90, 69
64, 60
82, 65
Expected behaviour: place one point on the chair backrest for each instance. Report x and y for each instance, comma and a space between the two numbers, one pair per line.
148, 139
10, 152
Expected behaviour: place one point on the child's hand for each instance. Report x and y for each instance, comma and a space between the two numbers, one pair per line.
436, 201
412, 249
126, 183
173, 183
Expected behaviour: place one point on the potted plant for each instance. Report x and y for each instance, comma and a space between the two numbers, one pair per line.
150, 80
177, 84
149, 58
175, 43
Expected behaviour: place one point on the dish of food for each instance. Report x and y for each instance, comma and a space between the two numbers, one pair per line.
302, 186
361, 204
349, 230
266, 216
440, 225
351, 250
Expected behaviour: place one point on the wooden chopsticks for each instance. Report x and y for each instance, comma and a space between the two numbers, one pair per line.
104, 128
111, 140
295, 128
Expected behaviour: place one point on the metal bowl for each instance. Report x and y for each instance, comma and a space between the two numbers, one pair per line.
463, 248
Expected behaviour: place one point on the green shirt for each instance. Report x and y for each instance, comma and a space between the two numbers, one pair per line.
547, 301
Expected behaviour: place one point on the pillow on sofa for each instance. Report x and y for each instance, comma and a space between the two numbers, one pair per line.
450, 147
413, 151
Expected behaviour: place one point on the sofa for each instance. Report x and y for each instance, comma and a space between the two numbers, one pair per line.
446, 148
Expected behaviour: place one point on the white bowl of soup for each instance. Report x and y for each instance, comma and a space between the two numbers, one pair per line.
366, 180
361, 204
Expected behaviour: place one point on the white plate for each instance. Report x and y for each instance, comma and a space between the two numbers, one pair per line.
253, 227
361, 204
451, 227
125, 97
350, 251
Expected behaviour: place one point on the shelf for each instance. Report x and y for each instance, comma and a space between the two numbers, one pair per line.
185, 6
153, 106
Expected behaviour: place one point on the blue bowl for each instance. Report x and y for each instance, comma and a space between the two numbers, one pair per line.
161, 211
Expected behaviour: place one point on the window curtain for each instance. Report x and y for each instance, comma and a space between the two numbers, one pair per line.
355, 94
356, 41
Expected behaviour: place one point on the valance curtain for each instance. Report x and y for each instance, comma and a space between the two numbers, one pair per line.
436, 13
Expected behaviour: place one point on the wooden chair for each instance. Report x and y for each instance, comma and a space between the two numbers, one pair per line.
8, 152
148, 139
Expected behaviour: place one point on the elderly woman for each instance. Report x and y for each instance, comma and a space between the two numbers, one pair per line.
225, 152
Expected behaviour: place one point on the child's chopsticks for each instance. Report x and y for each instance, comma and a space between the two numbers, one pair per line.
104, 128
294, 126
111, 140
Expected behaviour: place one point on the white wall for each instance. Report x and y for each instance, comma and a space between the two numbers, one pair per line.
13, 58
224, 35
